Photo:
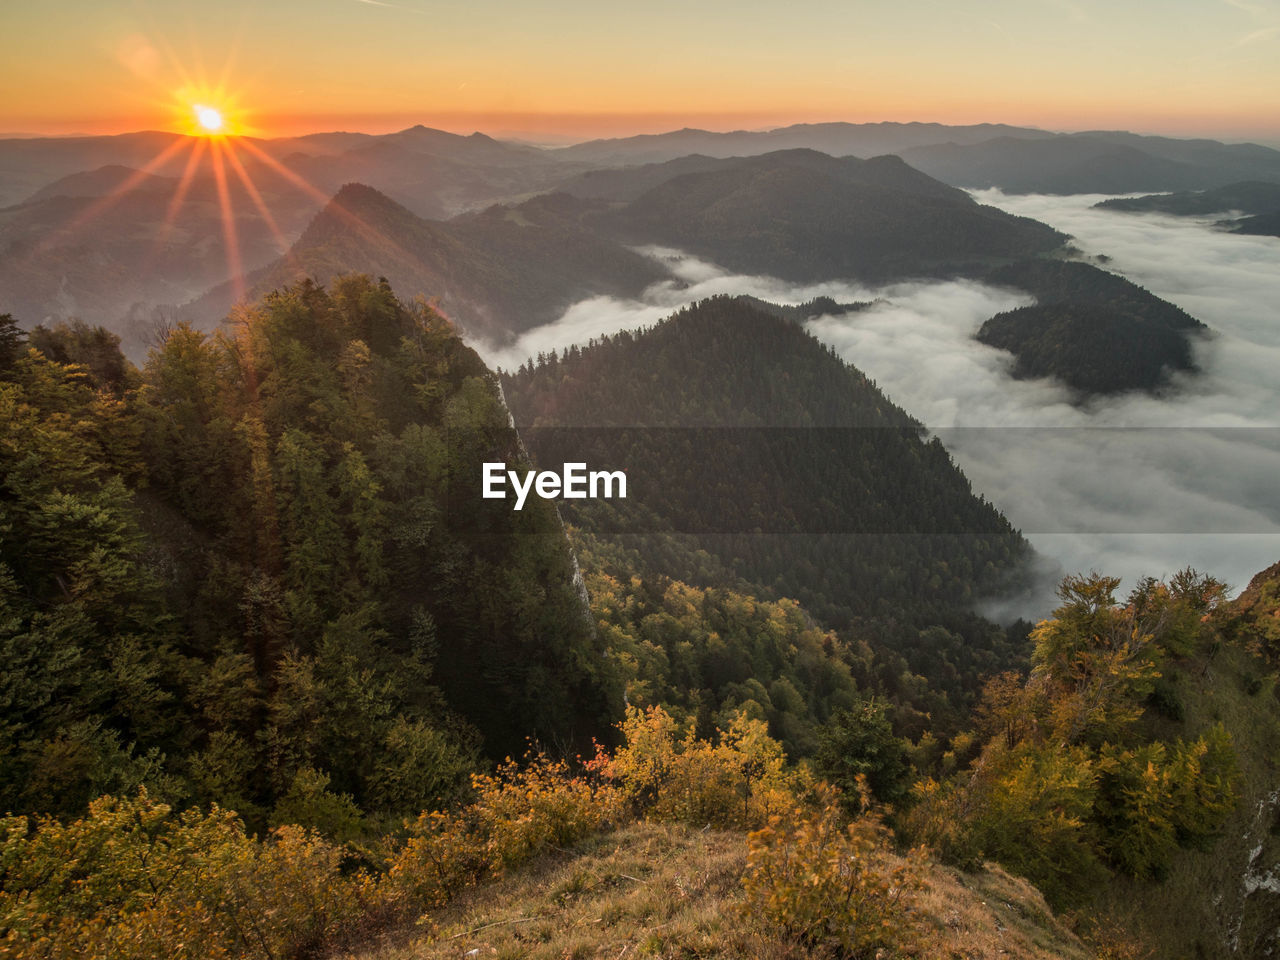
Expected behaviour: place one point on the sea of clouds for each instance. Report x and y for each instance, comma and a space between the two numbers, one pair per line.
1132, 486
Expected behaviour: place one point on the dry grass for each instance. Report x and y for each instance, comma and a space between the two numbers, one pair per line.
671, 891
647, 891
991, 913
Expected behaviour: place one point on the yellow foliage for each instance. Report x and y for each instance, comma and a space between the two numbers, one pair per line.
738, 781
131, 880
833, 883
134, 880
518, 813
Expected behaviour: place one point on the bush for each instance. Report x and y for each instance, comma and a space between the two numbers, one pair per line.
131, 880
737, 781
832, 883
518, 813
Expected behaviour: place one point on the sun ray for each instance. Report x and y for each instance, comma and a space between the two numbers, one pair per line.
234, 266
175, 202
256, 196
281, 169
359, 224
106, 202
184, 184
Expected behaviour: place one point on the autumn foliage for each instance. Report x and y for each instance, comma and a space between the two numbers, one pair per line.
1071, 786
134, 879
834, 883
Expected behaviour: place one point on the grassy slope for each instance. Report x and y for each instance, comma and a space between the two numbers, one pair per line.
673, 891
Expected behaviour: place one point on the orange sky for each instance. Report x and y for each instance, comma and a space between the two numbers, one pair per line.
1183, 67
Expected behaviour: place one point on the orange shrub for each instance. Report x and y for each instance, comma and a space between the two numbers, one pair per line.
518, 813
833, 883
131, 880
737, 781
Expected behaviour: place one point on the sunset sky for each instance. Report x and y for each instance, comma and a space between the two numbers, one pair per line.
1182, 67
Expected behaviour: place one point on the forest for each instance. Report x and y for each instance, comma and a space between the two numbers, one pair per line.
278, 680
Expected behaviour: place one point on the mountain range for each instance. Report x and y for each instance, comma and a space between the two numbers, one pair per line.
799, 215
123, 230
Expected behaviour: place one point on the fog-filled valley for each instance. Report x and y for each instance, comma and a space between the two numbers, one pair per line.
1136, 484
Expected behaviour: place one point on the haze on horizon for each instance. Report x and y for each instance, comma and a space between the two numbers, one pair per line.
567, 68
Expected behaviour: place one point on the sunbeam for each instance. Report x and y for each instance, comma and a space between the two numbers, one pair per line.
256, 196
230, 239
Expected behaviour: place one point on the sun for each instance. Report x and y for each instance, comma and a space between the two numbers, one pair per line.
209, 120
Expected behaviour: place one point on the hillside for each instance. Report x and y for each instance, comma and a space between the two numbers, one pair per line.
88, 251
837, 139
29, 163
1251, 197
433, 173
1132, 776
284, 588
675, 891
805, 216
1240, 864
120, 230
667, 845
797, 215
1015, 159
1093, 330
1262, 225
102, 182
739, 430
262, 633
496, 272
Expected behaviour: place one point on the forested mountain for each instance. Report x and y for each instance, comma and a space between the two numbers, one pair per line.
256, 578
259, 571
805, 216
798, 215
155, 242
1094, 330
741, 432
1261, 225
264, 646
495, 272
623, 184
1250, 196
1259, 199
1133, 773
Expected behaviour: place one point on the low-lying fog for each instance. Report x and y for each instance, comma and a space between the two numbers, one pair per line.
1132, 486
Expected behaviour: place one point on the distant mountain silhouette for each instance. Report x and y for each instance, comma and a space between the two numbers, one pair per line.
837, 139
798, 215
1094, 163
1250, 196
1263, 225
495, 272
805, 216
